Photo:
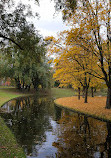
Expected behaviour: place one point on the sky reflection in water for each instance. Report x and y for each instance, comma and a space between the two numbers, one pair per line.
45, 130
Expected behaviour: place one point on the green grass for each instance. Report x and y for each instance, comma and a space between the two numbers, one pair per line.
8, 144
62, 92
68, 92
102, 92
7, 94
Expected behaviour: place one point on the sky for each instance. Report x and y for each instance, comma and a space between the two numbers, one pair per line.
49, 23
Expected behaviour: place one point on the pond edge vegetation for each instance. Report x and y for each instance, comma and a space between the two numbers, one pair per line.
7, 139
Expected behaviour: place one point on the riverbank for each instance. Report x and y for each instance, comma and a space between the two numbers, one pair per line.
8, 144
7, 94
7, 139
95, 106
9, 147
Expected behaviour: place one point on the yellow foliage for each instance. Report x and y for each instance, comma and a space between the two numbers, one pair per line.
49, 38
78, 50
50, 61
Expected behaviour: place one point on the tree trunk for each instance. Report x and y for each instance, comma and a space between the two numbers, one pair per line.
18, 85
86, 95
108, 101
79, 91
92, 92
23, 84
29, 88
83, 92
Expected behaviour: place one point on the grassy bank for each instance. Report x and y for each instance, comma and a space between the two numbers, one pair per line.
62, 92
7, 94
68, 92
95, 106
8, 144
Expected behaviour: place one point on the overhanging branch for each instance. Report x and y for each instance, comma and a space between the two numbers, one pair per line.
7, 38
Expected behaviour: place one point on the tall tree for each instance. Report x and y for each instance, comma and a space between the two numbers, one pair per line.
73, 66
91, 31
28, 65
12, 17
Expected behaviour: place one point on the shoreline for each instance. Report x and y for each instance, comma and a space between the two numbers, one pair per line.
7, 94
98, 112
7, 138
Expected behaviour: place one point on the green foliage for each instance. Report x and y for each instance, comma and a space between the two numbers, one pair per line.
4, 66
29, 66
12, 18
57, 83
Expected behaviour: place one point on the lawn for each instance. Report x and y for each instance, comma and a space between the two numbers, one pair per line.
9, 147
62, 92
68, 92
7, 94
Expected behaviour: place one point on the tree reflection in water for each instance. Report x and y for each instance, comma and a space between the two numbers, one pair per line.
29, 120
82, 136
45, 130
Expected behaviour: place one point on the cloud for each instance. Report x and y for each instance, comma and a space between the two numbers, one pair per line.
51, 25
46, 10
49, 22
45, 32
50, 28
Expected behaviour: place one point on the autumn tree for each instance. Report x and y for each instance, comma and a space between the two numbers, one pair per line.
72, 68
91, 31
73, 64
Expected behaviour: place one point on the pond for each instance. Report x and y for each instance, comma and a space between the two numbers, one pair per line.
45, 130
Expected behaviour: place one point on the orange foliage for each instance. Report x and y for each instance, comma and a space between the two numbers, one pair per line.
94, 107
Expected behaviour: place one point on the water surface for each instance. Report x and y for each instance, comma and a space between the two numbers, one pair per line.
47, 131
